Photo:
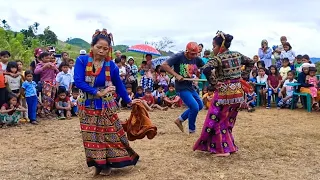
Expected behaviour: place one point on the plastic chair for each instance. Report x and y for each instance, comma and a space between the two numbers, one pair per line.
307, 105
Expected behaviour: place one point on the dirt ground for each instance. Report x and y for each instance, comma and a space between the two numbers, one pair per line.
272, 144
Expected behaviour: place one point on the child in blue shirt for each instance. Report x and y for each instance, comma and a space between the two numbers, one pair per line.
29, 88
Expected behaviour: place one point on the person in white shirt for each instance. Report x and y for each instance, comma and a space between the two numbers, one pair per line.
122, 69
286, 101
288, 53
64, 78
263, 79
71, 69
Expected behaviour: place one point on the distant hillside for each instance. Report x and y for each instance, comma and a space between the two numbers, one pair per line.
315, 60
79, 42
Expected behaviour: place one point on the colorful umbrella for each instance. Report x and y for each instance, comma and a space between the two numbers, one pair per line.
159, 61
144, 49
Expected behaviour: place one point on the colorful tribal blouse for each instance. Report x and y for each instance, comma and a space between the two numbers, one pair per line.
80, 79
227, 66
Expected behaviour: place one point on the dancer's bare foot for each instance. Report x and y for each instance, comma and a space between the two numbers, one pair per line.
165, 108
96, 172
222, 155
179, 124
106, 172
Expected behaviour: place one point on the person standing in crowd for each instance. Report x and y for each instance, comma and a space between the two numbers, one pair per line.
97, 76
200, 54
4, 57
216, 136
288, 53
30, 92
118, 54
132, 71
82, 52
185, 65
64, 78
265, 53
278, 50
149, 63
33, 64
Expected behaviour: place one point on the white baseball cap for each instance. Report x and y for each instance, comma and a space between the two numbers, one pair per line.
83, 52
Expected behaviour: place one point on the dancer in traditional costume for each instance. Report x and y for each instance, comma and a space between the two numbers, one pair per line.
186, 65
104, 139
224, 72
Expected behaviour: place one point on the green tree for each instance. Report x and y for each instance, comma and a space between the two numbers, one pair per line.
48, 37
5, 24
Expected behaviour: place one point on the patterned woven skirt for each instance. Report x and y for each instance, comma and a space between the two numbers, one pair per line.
216, 136
48, 96
105, 142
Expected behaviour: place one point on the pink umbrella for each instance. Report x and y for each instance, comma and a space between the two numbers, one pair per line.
144, 49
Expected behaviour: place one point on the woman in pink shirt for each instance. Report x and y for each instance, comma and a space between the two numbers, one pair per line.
48, 72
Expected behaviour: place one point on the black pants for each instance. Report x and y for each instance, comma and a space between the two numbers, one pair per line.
134, 86
3, 96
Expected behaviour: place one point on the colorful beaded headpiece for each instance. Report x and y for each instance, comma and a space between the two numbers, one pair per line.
221, 34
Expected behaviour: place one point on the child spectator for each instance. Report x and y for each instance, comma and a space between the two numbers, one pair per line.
132, 71
285, 102
253, 78
148, 101
297, 65
47, 71
147, 80
159, 95
208, 97
63, 104
64, 78
10, 112
139, 94
195, 84
3, 89
250, 101
74, 101
71, 70
263, 79
4, 57
142, 67
284, 69
122, 69
171, 99
274, 83
30, 92
288, 53
312, 80
204, 90
306, 59
13, 80
163, 80
130, 94
20, 68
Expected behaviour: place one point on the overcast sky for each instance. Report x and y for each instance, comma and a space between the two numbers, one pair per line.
135, 21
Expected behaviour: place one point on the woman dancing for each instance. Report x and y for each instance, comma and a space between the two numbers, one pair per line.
224, 72
105, 142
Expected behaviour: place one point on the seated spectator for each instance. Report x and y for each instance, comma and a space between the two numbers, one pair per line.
172, 99
284, 69
208, 97
11, 112
63, 105
159, 95
139, 94
263, 79
74, 101
286, 101
130, 94
163, 80
148, 101
147, 81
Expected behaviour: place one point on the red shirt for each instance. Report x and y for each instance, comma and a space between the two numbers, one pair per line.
274, 80
67, 99
8, 107
149, 99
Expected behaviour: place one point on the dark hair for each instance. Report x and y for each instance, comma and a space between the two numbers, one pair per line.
100, 37
3, 53
61, 90
201, 45
70, 60
264, 69
19, 61
210, 88
63, 64
158, 67
44, 54
11, 64
139, 87
128, 86
27, 72
287, 44
171, 85
123, 57
285, 59
144, 62
299, 56
75, 90
148, 90
228, 38
306, 56
261, 63
207, 52
275, 67
162, 70
11, 95
64, 53
117, 60
313, 69
148, 55
291, 71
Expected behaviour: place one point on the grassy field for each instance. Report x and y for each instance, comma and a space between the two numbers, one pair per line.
278, 146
